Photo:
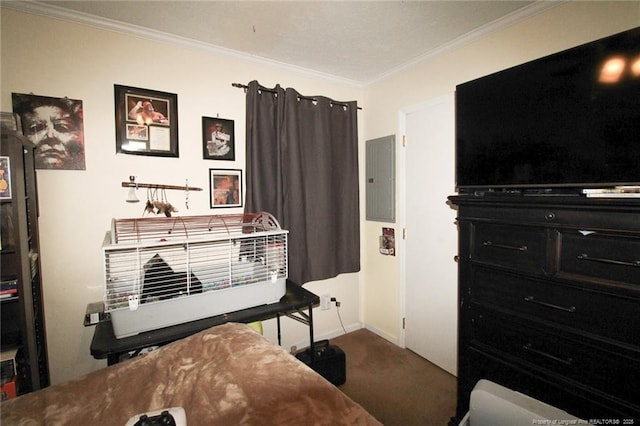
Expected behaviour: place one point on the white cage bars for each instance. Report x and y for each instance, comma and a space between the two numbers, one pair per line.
165, 271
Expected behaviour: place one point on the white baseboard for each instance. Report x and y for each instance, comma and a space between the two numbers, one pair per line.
329, 334
339, 332
383, 334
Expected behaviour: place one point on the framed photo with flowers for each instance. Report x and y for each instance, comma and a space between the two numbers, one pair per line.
225, 188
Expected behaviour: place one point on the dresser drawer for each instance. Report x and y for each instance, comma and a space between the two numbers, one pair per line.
587, 254
570, 397
515, 247
589, 311
594, 364
553, 212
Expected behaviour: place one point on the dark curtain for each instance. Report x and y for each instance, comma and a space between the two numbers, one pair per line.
302, 167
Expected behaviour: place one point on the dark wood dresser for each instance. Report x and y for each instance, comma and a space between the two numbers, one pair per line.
549, 301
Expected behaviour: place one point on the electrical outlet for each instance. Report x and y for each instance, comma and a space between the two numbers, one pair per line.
325, 302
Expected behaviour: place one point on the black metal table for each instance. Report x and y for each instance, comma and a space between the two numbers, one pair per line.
296, 299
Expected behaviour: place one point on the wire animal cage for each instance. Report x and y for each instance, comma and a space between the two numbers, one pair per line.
166, 271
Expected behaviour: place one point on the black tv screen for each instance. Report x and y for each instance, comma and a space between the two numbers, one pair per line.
555, 122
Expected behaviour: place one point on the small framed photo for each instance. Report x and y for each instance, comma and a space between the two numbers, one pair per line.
5, 178
225, 188
146, 122
218, 139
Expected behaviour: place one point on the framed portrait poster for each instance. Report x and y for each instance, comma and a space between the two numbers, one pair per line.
146, 122
218, 139
225, 187
56, 127
5, 178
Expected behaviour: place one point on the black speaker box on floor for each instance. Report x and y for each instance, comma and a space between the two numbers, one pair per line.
328, 360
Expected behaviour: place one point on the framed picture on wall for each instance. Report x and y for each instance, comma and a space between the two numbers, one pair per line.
225, 187
5, 178
218, 139
56, 127
146, 122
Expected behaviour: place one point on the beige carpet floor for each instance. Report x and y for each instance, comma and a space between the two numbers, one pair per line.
395, 385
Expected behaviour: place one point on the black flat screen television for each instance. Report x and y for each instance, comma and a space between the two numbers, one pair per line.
555, 124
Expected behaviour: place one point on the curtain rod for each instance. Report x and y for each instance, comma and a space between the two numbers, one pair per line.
245, 87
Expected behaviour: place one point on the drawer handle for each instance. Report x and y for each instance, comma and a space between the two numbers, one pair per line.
532, 299
609, 261
503, 246
529, 347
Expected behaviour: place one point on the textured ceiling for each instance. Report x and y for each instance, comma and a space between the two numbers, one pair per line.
357, 41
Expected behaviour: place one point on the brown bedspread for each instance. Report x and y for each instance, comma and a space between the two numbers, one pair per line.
226, 375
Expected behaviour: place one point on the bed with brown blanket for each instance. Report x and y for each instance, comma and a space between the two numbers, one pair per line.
225, 375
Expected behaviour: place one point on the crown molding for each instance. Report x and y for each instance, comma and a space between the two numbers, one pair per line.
52, 11
534, 8
57, 12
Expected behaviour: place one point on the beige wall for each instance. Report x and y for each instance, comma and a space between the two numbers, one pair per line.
51, 57
563, 26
